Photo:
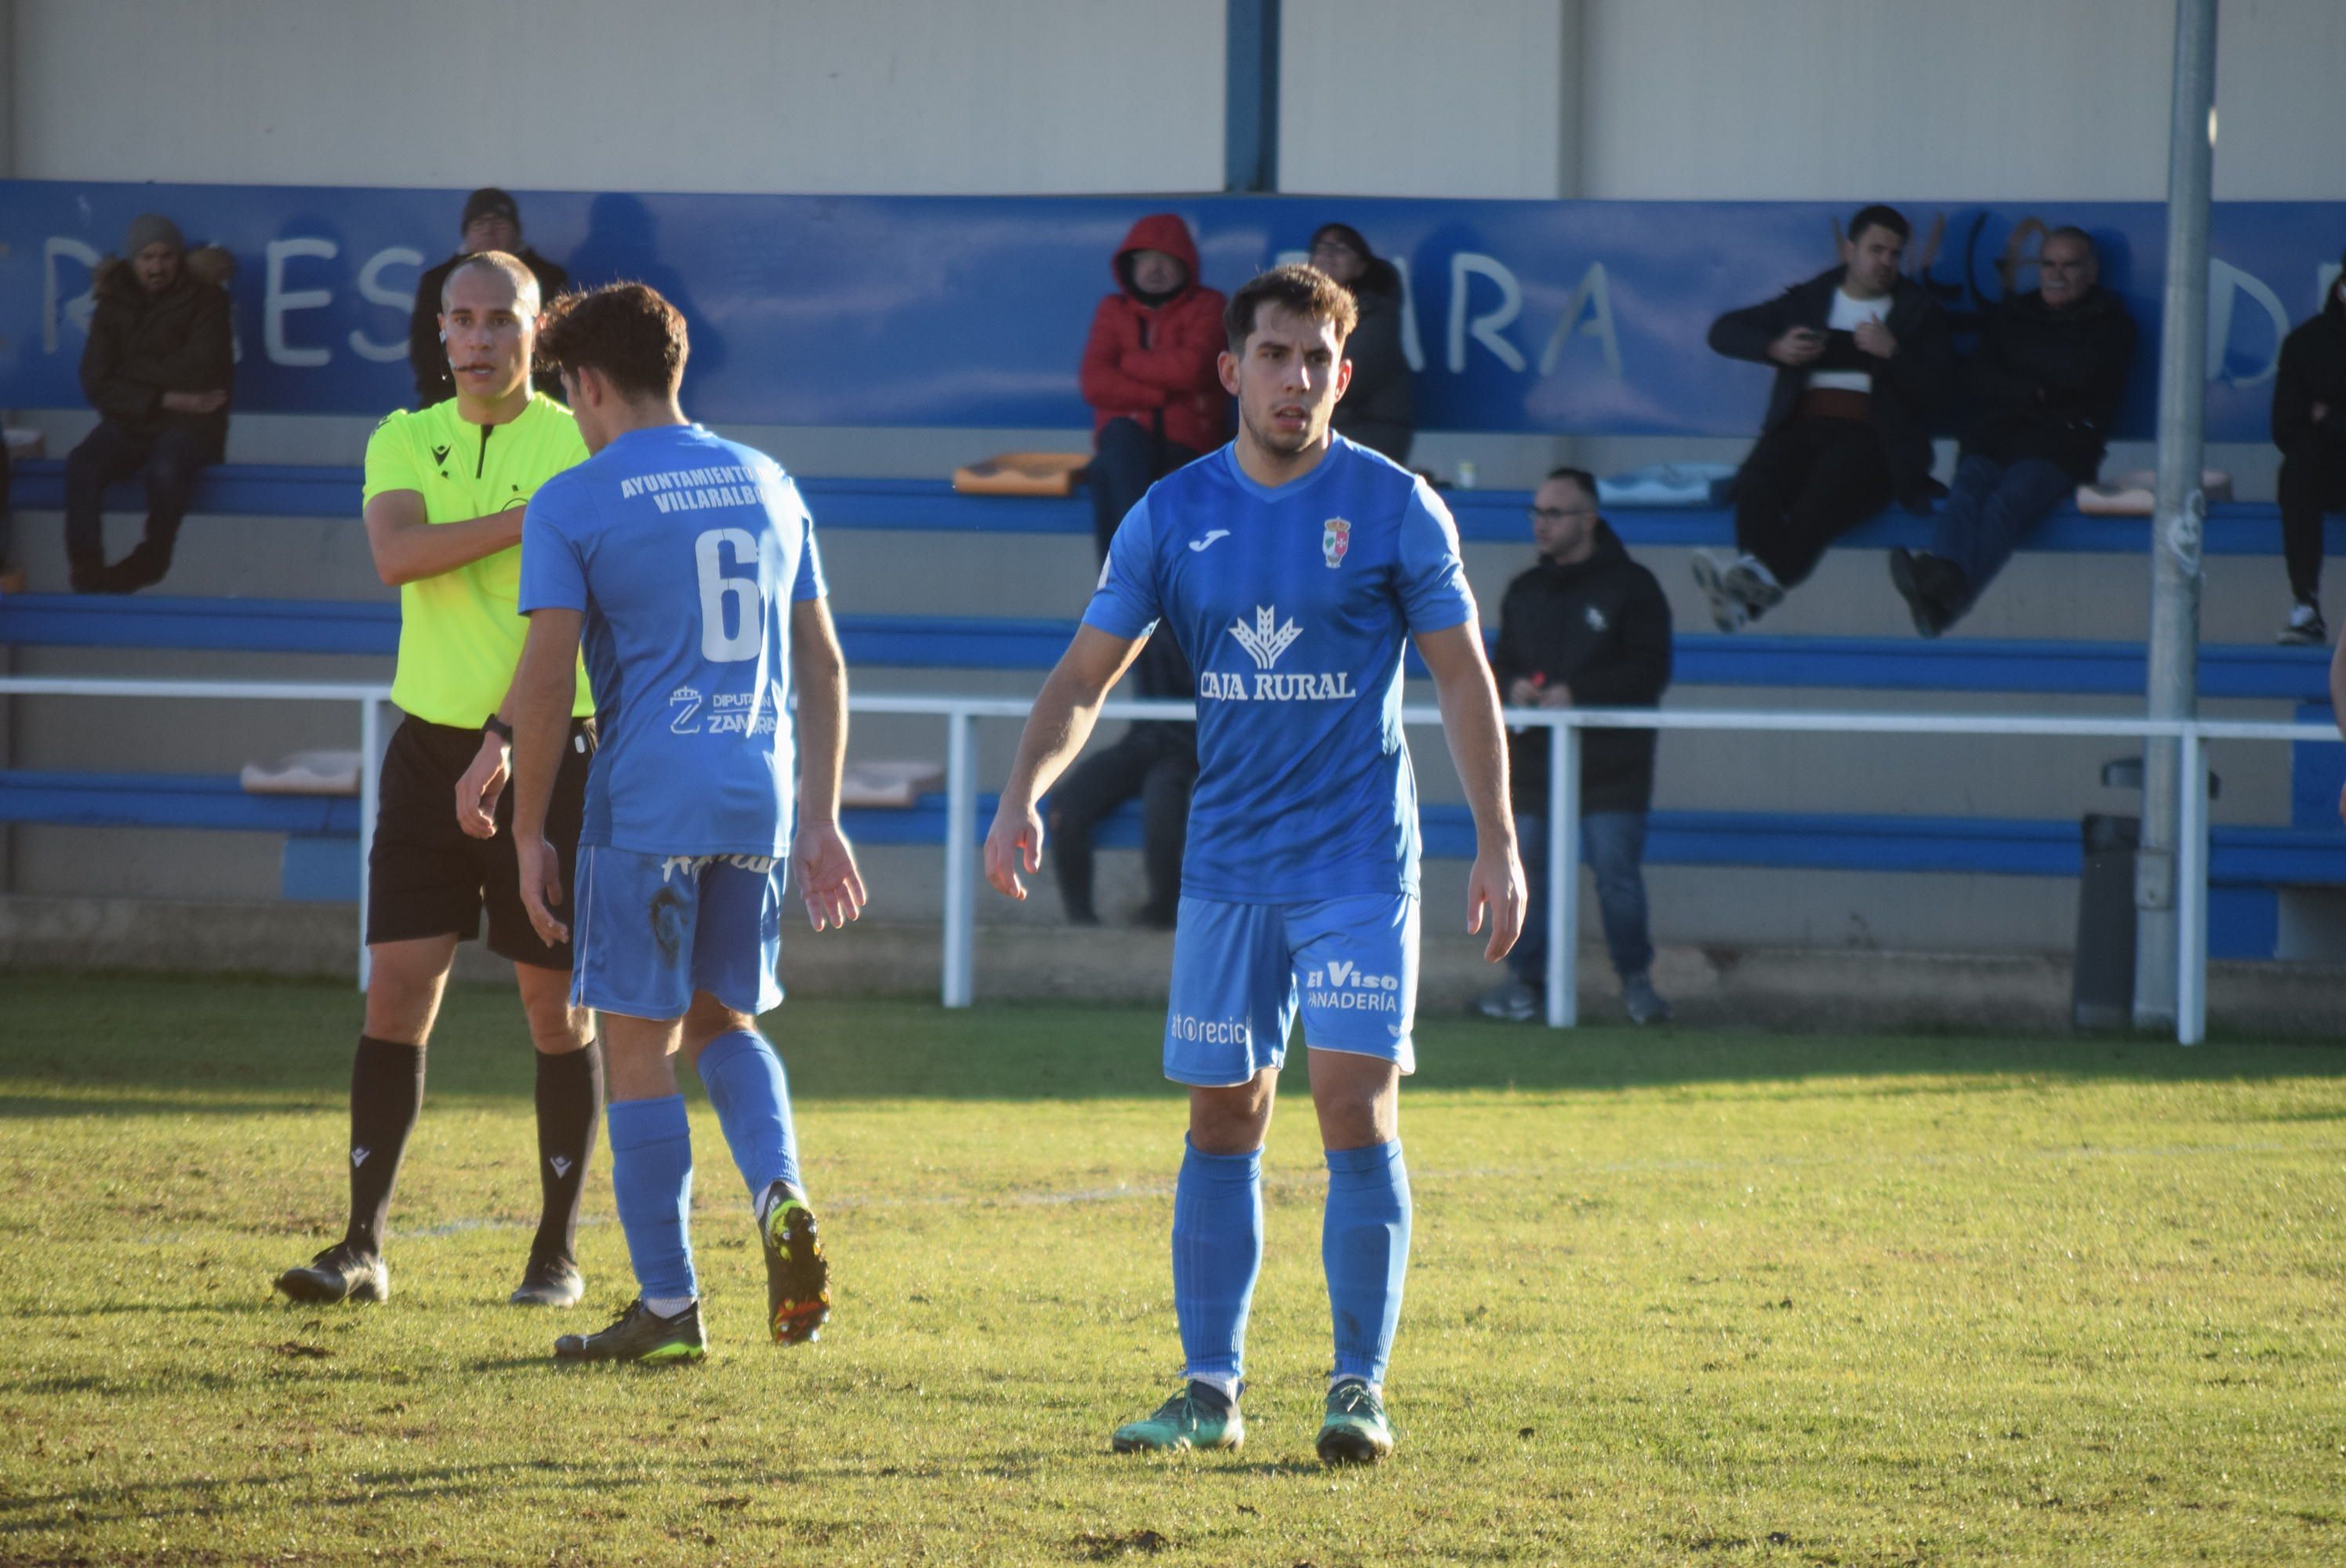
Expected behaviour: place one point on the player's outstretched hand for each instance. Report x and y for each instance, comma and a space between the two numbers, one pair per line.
1496, 884
478, 791
824, 864
1013, 844
541, 887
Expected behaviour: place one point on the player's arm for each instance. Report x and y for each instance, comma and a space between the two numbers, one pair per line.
820, 857
407, 546
1470, 721
1065, 711
540, 700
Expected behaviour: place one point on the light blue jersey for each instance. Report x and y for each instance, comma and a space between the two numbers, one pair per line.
1293, 605
684, 552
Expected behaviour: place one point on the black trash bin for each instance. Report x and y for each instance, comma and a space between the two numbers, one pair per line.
2101, 985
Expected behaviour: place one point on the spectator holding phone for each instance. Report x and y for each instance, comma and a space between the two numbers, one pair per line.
1863, 360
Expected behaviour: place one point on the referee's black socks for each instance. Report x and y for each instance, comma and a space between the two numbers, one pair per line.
386, 1093
569, 1106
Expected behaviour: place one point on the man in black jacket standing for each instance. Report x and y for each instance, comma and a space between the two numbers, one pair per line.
492, 222
2046, 378
157, 368
1862, 362
2309, 425
1587, 627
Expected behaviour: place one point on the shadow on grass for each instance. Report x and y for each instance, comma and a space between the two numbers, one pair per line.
206, 1498
143, 1044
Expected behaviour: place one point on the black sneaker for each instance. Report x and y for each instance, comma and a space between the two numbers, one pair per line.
549, 1282
639, 1334
1932, 586
798, 1275
341, 1273
2305, 628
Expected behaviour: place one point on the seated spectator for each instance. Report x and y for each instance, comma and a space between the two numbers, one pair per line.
1586, 626
1157, 760
2045, 382
1148, 370
492, 222
1862, 360
2309, 425
157, 368
1378, 409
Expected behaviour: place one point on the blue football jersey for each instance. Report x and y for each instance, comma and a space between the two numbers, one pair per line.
1293, 606
684, 552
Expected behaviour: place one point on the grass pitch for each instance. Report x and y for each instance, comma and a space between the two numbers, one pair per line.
1676, 1297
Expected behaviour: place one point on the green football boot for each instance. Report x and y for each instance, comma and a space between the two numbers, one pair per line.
1198, 1417
1355, 1429
639, 1334
798, 1275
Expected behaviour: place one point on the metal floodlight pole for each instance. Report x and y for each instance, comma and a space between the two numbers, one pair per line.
2182, 509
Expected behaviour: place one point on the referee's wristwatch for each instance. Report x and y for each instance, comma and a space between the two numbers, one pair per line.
497, 727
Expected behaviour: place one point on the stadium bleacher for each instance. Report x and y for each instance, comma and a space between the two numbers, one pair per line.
2247, 864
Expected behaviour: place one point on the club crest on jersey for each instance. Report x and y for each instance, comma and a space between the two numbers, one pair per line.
1335, 538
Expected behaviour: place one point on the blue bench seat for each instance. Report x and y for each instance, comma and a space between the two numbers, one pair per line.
1485, 516
2246, 864
986, 641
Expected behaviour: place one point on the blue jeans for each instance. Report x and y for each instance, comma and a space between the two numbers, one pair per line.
1613, 845
1990, 508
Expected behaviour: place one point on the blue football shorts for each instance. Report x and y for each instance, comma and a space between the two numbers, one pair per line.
1242, 971
649, 931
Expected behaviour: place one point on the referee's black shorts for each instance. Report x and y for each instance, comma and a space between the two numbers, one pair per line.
427, 877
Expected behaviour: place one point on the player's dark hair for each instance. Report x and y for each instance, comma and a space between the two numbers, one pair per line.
1879, 217
1305, 290
627, 330
1580, 476
517, 272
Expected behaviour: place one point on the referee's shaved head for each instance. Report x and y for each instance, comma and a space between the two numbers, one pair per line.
527, 300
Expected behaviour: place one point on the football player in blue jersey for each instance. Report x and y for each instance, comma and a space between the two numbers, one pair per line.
1291, 566
687, 565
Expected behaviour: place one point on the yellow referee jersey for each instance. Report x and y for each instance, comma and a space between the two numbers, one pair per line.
460, 633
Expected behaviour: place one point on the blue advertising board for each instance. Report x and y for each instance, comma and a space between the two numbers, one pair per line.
1522, 316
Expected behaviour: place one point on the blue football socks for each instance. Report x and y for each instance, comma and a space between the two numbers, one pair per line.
651, 1177
1364, 1246
753, 1100
1216, 1253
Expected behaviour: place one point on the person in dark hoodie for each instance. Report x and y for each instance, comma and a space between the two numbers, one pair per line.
492, 221
2309, 425
1863, 360
2045, 379
1148, 370
157, 368
1585, 628
1379, 409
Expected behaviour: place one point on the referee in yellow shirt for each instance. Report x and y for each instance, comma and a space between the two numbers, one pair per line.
445, 488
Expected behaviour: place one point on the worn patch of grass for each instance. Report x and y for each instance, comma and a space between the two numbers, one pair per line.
1676, 1297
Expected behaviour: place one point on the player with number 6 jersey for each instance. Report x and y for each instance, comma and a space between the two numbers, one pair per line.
686, 565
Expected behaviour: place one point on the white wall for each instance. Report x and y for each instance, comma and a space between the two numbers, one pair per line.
1402, 98
1922, 99
802, 95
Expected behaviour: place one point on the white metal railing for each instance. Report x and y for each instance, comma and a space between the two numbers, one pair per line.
1564, 724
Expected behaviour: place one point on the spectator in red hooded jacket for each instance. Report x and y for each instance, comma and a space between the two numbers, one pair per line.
1148, 370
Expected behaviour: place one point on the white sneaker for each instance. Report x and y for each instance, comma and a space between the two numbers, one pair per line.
2305, 629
